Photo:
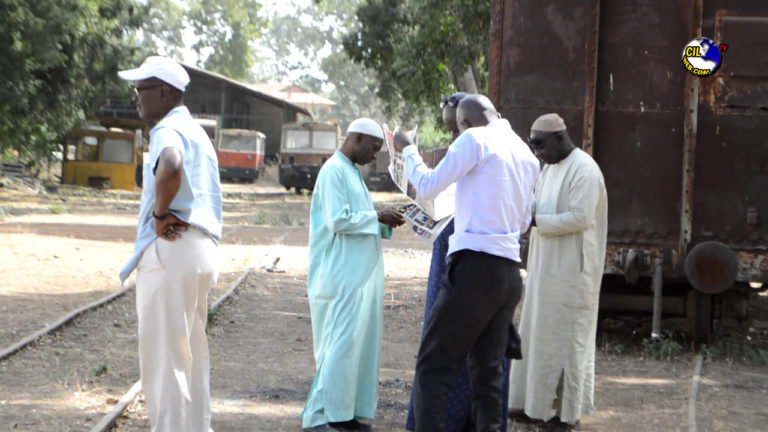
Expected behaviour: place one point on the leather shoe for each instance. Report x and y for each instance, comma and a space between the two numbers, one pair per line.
351, 425
321, 428
520, 416
557, 425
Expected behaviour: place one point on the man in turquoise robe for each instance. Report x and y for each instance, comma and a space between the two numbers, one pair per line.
345, 285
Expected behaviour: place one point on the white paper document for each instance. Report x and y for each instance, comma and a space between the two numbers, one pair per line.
425, 218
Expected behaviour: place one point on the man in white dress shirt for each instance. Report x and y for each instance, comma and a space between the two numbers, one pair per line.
558, 324
495, 173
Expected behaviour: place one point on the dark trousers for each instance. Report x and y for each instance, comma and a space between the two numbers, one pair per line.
471, 317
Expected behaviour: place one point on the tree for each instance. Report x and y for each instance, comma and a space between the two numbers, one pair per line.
227, 31
422, 50
162, 30
57, 58
221, 33
309, 39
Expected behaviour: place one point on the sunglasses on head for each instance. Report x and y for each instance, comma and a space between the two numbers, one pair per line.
452, 102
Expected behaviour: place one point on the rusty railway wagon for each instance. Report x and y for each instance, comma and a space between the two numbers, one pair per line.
685, 159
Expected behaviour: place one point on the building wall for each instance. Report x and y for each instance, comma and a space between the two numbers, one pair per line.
243, 109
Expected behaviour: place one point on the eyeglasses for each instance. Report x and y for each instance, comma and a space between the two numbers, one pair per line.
452, 102
137, 90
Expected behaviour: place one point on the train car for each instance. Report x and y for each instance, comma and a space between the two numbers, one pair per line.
684, 156
210, 126
304, 148
241, 154
100, 157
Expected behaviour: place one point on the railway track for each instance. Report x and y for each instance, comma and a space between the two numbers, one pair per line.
111, 417
48, 356
64, 320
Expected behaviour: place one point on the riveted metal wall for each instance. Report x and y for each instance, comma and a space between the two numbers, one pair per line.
685, 158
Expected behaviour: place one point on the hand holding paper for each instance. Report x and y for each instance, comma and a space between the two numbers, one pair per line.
427, 218
402, 140
391, 217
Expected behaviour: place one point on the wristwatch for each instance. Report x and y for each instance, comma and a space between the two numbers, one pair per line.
160, 217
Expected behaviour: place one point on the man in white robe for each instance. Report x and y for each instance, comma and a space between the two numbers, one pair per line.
345, 286
565, 267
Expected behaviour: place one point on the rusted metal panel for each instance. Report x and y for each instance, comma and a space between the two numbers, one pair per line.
590, 53
690, 129
685, 159
495, 50
730, 202
741, 96
640, 155
747, 39
543, 65
639, 51
742, 83
640, 118
731, 185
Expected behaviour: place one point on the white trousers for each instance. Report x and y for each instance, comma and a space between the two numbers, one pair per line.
171, 303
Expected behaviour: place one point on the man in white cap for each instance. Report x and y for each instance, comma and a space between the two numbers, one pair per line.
345, 285
175, 251
495, 172
565, 267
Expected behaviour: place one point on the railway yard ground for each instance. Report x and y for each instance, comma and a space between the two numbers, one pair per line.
63, 247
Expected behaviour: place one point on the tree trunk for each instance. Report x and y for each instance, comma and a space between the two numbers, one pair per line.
467, 82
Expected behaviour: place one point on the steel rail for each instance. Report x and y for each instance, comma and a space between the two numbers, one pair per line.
34, 337
106, 422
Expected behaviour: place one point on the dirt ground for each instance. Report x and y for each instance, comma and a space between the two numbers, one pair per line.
63, 249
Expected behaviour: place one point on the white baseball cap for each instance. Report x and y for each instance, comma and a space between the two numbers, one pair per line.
162, 68
366, 126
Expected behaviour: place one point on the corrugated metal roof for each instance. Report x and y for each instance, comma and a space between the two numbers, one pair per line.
247, 88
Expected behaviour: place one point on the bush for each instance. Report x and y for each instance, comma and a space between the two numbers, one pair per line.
663, 348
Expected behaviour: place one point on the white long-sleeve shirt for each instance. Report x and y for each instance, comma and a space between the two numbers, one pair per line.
495, 173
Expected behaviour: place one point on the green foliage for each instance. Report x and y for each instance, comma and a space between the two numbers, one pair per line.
213, 314
433, 137
163, 29
227, 30
610, 347
55, 209
100, 369
223, 33
57, 60
709, 352
663, 348
422, 50
301, 38
738, 347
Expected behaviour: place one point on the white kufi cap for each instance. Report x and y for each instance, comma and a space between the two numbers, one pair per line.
366, 126
549, 123
162, 68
